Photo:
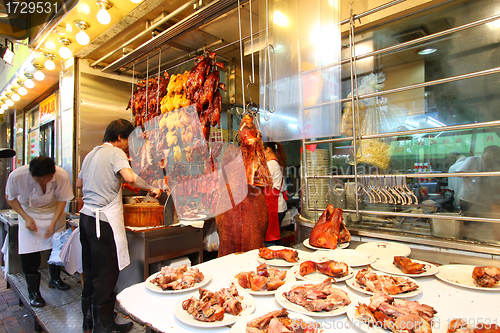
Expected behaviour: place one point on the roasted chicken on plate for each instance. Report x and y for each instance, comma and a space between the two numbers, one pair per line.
486, 276
266, 278
285, 254
331, 268
177, 278
407, 266
391, 285
318, 297
279, 322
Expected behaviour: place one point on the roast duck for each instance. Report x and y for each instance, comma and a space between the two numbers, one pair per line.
331, 268
173, 115
285, 254
265, 278
408, 266
330, 229
242, 216
397, 315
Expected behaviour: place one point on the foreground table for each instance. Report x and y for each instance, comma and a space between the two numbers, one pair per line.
157, 310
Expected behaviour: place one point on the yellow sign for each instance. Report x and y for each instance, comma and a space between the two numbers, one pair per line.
47, 108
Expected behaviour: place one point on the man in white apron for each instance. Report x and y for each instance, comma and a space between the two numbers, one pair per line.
102, 229
38, 193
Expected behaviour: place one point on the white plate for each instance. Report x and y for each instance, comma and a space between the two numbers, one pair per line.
207, 276
303, 256
351, 315
386, 265
289, 278
355, 285
385, 249
339, 246
353, 258
181, 314
241, 325
317, 276
461, 275
200, 217
297, 308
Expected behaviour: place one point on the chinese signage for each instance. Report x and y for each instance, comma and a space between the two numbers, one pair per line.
47, 108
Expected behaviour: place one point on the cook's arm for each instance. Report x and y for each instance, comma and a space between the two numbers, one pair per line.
16, 205
57, 214
130, 177
79, 183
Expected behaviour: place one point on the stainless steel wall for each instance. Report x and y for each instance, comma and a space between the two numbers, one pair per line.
101, 100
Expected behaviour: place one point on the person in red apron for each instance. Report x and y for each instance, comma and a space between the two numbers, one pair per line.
38, 192
102, 230
276, 203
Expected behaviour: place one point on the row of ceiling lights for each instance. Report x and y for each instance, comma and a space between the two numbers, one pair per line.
13, 93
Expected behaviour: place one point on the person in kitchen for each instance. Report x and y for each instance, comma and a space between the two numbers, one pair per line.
476, 194
275, 200
102, 230
38, 192
455, 183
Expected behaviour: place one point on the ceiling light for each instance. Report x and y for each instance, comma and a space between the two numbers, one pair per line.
102, 15
280, 19
69, 28
50, 45
9, 102
64, 52
22, 91
38, 75
29, 82
81, 37
49, 64
5, 106
425, 51
136, 1
15, 97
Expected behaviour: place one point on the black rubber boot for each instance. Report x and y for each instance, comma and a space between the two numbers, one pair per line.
55, 278
33, 282
87, 314
104, 322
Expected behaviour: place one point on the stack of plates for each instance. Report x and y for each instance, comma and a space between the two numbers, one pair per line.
318, 164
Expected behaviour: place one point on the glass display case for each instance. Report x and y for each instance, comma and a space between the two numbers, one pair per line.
419, 154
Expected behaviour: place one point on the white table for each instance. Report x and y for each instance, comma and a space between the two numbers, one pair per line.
157, 310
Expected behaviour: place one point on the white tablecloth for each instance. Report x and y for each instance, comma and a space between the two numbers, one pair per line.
449, 301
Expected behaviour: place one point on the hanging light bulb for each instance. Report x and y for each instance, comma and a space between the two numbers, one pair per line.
50, 45
29, 82
102, 15
64, 52
22, 91
38, 75
49, 64
15, 97
81, 37
9, 102
5, 106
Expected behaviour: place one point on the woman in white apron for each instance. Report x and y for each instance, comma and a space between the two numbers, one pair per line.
102, 230
38, 193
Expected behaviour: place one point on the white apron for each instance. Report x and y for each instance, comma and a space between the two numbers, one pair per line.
114, 214
41, 209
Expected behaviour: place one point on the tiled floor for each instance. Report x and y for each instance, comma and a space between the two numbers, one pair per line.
13, 318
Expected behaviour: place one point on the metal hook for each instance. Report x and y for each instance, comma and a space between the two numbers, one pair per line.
266, 106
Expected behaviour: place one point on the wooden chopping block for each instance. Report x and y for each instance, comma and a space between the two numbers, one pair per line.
144, 214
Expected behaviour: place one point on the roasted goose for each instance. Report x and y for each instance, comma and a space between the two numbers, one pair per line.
318, 297
329, 230
266, 278
211, 306
278, 322
285, 254
177, 278
331, 268
461, 326
486, 276
242, 216
407, 266
391, 285
396, 315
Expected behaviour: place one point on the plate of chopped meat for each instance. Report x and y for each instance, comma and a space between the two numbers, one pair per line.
339, 246
264, 281
281, 256
282, 319
472, 277
353, 258
319, 271
235, 305
368, 282
405, 266
177, 280
378, 316
313, 299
